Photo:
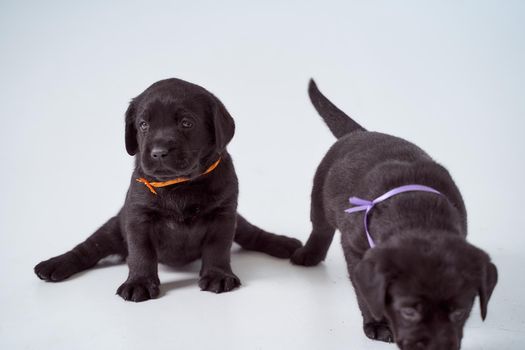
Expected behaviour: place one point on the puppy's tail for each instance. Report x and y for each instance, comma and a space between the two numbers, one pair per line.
338, 122
251, 237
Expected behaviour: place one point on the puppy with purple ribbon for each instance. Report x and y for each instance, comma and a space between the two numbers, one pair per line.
403, 226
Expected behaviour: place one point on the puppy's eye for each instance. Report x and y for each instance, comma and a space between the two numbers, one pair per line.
187, 124
457, 315
410, 314
144, 126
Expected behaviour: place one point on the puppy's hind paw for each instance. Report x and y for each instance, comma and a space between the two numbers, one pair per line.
305, 257
378, 331
283, 247
57, 269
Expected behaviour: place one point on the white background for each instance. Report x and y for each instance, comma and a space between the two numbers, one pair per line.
447, 75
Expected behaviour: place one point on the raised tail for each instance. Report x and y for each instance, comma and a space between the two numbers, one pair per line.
251, 237
338, 122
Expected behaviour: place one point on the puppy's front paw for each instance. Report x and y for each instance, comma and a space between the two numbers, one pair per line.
306, 257
218, 281
58, 268
139, 289
378, 331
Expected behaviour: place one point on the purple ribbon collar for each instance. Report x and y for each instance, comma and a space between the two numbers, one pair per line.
366, 206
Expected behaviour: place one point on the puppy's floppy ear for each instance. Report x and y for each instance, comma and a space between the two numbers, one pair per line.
371, 284
131, 131
489, 278
223, 124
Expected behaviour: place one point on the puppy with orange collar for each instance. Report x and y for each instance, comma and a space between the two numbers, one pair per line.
182, 200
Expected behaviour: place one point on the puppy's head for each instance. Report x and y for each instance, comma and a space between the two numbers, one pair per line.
176, 129
426, 289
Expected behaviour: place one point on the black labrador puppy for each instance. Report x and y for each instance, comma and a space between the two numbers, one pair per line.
182, 200
418, 284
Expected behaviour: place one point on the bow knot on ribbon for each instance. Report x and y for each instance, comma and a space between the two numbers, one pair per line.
362, 204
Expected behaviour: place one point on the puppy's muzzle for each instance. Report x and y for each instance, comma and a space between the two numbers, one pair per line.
158, 153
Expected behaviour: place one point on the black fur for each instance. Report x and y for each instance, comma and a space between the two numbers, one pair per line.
174, 128
417, 286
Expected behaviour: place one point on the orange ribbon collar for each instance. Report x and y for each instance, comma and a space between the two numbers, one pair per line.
151, 185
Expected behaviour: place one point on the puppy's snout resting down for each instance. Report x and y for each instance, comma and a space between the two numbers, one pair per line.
181, 204
415, 275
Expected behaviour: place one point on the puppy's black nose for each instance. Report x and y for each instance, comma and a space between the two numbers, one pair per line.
159, 152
